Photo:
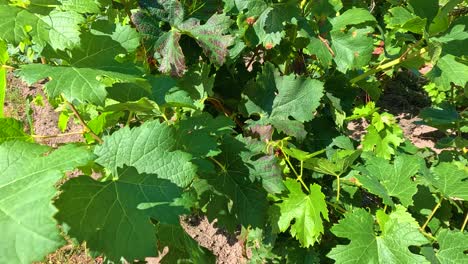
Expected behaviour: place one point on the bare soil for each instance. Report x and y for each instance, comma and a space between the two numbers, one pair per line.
404, 98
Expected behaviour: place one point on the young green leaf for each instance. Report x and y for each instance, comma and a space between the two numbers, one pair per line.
390, 246
307, 211
450, 180
388, 180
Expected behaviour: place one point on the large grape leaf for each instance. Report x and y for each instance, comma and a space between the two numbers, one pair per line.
388, 180
150, 148
297, 97
352, 48
15, 22
63, 29
211, 36
448, 70
198, 135
307, 212
452, 247
425, 8
28, 173
450, 180
113, 217
249, 204
397, 233
58, 28
270, 25
12, 129
401, 18
173, 59
276, 98
80, 79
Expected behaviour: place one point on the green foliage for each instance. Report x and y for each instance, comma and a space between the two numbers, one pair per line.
237, 110
27, 181
398, 231
306, 210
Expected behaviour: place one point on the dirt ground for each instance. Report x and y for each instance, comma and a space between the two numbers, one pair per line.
400, 100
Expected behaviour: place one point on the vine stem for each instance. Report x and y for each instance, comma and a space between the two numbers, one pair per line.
218, 163
464, 223
384, 67
130, 116
337, 207
58, 135
338, 189
77, 115
432, 214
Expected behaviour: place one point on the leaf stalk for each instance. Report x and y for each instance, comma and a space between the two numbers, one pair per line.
87, 129
432, 214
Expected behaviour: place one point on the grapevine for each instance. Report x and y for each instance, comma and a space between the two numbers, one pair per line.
240, 111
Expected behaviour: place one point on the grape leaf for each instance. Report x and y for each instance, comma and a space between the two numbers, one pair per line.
150, 148
12, 129
27, 178
198, 135
352, 48
448, 70
398, 232
82, 6
173, 59
63, 29
305, 210
450, 180
264, 168
452, 245
401, 18
211, 36
318, 48
297, 97
391, 180
353, 16
323, 8
270, 25
232, 179
251, 7
425, 8
171, 11
15, 22
336, 166
382, 142
112, 215
80, 80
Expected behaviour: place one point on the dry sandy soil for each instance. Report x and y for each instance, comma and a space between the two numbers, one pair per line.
224, 246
